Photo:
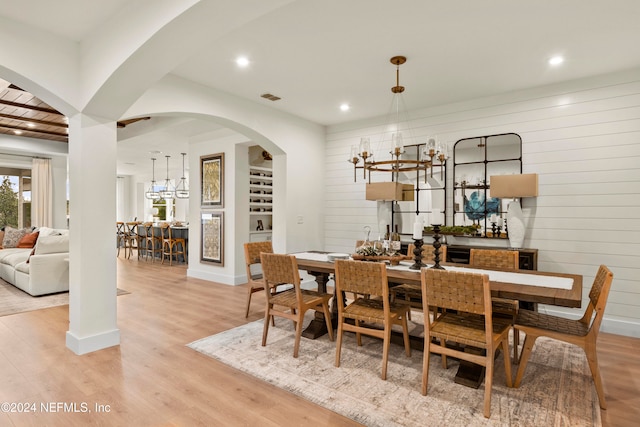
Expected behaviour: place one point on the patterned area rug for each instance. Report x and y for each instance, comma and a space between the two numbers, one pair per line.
557, 389
14, 300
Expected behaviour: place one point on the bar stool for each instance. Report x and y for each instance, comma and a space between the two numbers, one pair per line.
171, 245
152, 243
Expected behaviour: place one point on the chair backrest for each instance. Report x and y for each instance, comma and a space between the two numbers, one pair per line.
362, 278
165, 231
598, 296
459, 291
148, 230
132, 228
120, 228
252, 251
498, 259
455, 290
280, 269
427, 252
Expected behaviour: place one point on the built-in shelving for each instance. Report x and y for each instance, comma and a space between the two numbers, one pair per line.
260, 203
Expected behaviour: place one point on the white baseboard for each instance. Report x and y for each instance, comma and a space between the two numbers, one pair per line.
94, 342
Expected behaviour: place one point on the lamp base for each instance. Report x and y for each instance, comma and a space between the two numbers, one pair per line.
515, 219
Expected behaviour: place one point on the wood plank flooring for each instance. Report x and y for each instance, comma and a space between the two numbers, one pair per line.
153, 379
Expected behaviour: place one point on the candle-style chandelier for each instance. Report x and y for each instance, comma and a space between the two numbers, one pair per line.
429, 154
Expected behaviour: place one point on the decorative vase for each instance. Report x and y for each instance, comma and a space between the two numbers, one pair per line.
515, 222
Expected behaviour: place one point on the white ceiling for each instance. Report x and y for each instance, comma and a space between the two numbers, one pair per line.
316, 55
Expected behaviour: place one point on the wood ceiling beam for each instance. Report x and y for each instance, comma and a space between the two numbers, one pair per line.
26, 129
31, 107
29, 120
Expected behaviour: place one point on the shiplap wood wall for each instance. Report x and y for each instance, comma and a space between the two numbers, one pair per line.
582, 138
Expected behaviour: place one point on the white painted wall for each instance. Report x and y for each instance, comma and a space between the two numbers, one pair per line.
582, 138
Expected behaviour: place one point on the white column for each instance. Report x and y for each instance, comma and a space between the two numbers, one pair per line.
92, 244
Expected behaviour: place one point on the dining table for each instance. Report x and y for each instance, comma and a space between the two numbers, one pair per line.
534, 287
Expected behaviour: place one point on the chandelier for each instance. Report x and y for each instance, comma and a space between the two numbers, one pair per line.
152, 194
166, 192
426, 153
182, 189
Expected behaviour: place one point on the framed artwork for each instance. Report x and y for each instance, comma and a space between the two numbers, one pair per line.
212, 180
212, 237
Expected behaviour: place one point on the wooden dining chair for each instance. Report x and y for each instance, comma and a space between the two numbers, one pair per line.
133, 237
152, 242
172, 246
582, 332
368, 278
291, 303
412, 294
255, 279
121, 237
504, 260
467, 320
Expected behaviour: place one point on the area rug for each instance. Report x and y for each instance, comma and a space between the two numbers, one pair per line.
556, 390
14, 300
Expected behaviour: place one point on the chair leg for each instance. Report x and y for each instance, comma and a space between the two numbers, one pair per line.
296, 345
425, 364
265, 329
405, 336
339, 342
248, 301
327, 319
529, 341
488, 383
385, 348
592, 358
507, 362
516, 343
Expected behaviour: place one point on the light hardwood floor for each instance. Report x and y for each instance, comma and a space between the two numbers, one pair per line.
153, 379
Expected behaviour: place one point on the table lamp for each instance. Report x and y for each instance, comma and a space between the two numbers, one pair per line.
515, 186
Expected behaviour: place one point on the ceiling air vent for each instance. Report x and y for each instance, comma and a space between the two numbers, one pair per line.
270, 97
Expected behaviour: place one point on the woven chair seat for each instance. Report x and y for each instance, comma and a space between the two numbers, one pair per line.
371, 310
466, 329
528, 318
288, 298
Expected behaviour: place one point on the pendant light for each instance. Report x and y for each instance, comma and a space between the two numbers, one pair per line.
167, 193
182, 189
152, 194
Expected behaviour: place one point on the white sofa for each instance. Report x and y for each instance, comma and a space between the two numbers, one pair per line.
46, 271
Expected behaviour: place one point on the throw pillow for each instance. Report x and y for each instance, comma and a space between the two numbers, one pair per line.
32, 253
12, 236
28, 240
52, 244
1, 237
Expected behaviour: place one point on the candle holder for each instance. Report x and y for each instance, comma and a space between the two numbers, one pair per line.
417, 255
493, 229
498, 231
436, 246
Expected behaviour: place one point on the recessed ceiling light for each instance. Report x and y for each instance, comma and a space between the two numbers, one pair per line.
556, 60
31, 125
242, 61
344, 107
17, 132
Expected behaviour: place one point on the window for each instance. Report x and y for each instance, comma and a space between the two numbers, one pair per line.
15, 197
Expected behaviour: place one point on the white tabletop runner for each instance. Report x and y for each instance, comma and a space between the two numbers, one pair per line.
496, 276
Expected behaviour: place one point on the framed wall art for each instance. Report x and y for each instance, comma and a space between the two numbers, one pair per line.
212, 237
212, 180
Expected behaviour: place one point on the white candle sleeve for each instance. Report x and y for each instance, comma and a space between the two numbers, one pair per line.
417, 230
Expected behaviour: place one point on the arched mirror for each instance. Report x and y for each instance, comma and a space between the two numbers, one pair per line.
475, 160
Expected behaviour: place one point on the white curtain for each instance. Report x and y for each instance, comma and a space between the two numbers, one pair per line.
41, 193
